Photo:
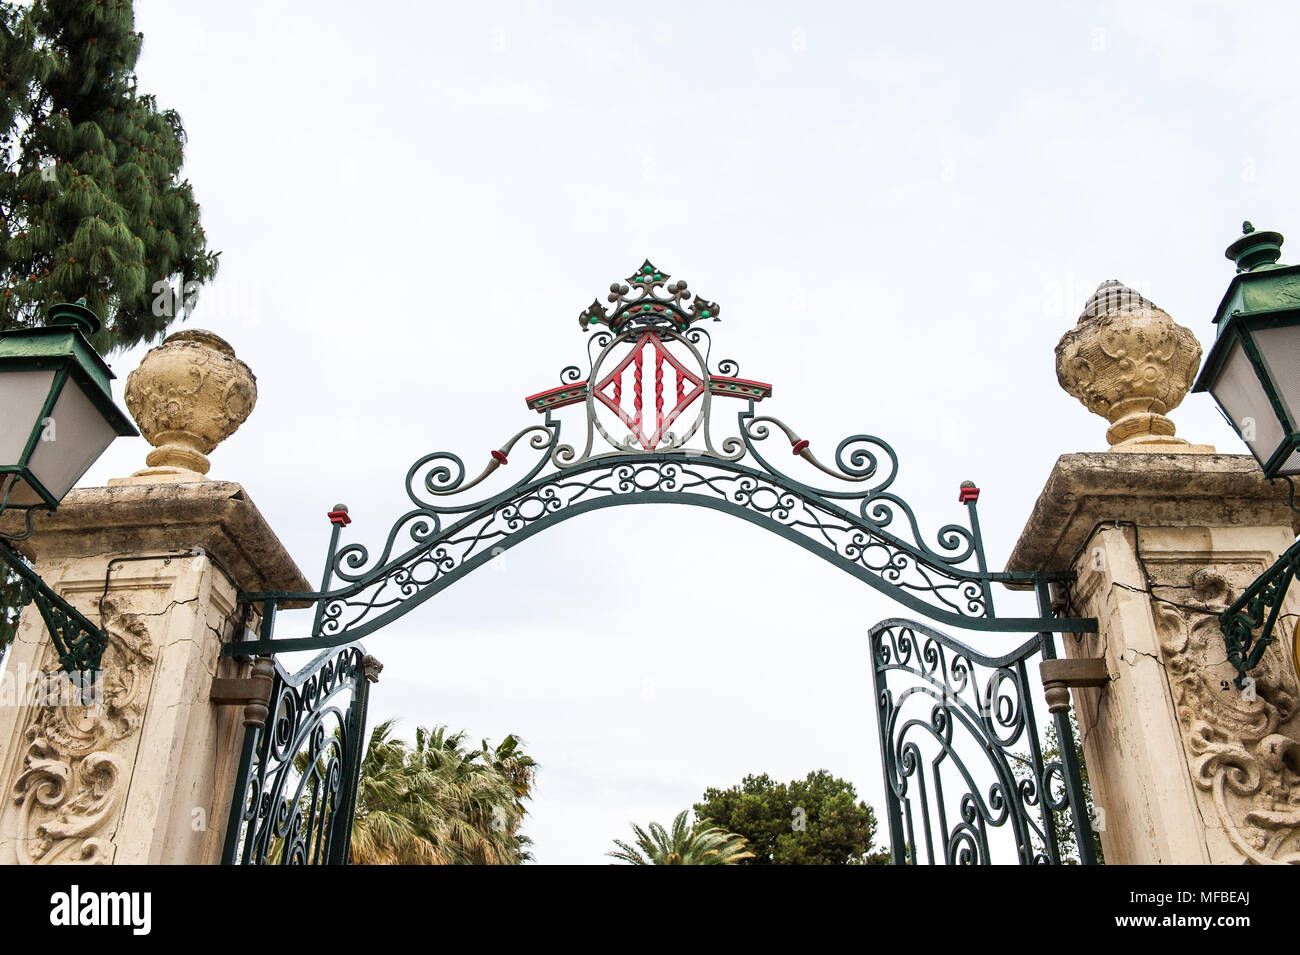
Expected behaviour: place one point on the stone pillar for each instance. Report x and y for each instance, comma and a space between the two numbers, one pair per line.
145, 772
1162, 536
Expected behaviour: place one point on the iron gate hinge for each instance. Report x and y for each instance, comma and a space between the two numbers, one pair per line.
253, 692
1059, 675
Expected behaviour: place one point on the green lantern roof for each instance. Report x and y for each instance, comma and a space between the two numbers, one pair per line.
1261, 284
63, 340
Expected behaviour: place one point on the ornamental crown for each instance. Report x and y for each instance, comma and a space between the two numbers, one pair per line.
646, 299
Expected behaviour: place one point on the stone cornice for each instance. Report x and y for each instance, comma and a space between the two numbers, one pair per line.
1169, 490
218, 516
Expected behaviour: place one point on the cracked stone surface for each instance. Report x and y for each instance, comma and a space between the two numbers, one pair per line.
159, 567
1182, 770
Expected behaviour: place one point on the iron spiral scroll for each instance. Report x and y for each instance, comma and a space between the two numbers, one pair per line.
863, 526
644, 428
944, 807
295, 793
645, 414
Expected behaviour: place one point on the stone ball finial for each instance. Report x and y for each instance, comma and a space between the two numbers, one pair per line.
188, 395
1131, 363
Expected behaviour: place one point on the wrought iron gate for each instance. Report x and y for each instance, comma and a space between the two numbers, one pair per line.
296, 788
954, 809
649, 435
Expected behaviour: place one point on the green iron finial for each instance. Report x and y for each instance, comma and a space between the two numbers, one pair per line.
1254, 249
78, 315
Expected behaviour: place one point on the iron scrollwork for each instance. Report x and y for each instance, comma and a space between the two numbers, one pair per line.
295, 794
944, 808
1258, 607
78, 643
647, 436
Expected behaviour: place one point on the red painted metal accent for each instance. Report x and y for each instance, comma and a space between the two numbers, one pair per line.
968, 495
659, 388
613, 383
726, 387
636, 388
800, 446
340, 517
499, 457
557, 397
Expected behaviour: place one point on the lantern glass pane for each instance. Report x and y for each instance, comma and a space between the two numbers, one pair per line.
22, 396
1280, 349
1291, 466
1243, 399
74, 438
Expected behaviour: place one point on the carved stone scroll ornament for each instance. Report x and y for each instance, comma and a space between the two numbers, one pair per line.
1241, 748
79, 754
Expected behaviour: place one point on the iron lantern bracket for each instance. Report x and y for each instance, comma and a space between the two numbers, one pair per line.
1258, 606
79, 643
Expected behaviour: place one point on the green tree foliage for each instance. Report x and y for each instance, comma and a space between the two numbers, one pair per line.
1063, 822
91, 203
439, 803
813, 821
682, 845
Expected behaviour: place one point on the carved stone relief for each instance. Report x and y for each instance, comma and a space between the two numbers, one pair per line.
1243, 748
1129, 362
80, 750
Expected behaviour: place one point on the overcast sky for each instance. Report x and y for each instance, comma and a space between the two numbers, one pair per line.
899, 207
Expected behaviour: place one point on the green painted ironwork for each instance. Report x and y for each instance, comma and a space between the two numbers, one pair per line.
1257, 609
60, 346
947, 583
859, 524
1264, 294
946, 802
296, 786
78, 642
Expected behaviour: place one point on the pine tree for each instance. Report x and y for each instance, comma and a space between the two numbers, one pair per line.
91, 203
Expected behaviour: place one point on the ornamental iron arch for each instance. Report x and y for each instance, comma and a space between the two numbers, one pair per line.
650, 377
647, 433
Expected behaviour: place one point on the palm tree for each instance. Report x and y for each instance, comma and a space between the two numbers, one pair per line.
683, 846
467, 809
509, 760
438, 803
383, 830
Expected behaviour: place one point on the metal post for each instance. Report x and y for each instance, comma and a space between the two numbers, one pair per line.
972, 501
1040, 775
893, 812
235, 822
1065, 739
340, 847
252, 735
338, 520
